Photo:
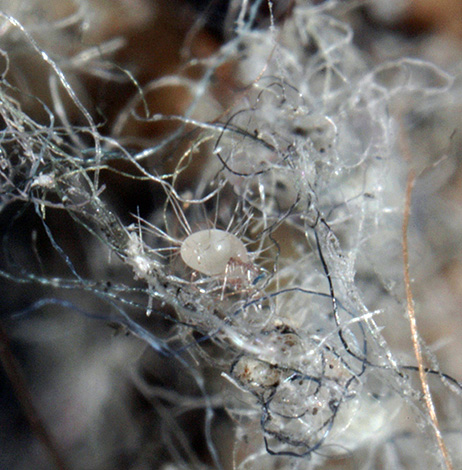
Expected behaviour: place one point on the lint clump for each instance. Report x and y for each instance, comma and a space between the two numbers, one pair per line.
311, 150
259, 270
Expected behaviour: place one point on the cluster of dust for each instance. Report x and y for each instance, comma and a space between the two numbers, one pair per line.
292, 140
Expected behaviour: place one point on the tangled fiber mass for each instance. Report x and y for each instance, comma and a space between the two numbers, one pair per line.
246, 258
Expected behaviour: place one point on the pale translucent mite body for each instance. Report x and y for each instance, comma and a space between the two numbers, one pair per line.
212, 251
